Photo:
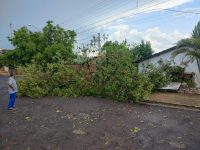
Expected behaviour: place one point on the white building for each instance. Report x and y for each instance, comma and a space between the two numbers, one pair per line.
166, 55
3, 51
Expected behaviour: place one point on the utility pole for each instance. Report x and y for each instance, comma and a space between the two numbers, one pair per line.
11, 32
99, 42
137, 3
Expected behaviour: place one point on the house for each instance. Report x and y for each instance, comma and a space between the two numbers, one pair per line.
166, 55
3, 51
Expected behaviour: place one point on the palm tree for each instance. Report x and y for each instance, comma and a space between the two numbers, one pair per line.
190, 47
196, 31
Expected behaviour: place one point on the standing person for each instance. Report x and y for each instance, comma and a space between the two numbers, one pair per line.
12, 90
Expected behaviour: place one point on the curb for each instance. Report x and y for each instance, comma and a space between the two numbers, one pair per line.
169, 105
4, 74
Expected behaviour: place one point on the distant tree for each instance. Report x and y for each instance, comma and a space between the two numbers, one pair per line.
10, 59
141, 51
43, 47
190, 47
112, 52
2, 59
57, 35
25, 47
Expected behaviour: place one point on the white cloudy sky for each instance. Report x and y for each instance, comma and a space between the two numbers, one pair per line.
164, 31
121, 19
150, 22
159, 40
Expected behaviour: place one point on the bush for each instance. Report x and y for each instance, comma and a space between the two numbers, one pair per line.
33, 82
122, 85
165, 73
57, 79
116, 77
157, 76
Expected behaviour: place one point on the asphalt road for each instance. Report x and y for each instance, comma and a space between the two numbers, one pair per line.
3, 91
90, 123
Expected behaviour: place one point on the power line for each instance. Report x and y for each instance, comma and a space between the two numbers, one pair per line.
119, 5
145, 20
112, 20
140, 21
174, 10
162, 23
132, 14
85, 11
181, 11
136, 14
110, 17
91, 29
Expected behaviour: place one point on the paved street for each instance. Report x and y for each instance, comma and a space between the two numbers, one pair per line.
90, 123
3, 91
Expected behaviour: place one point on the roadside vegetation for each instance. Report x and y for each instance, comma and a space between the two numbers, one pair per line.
47, 61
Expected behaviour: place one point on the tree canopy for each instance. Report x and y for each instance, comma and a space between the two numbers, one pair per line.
190, 47
115, 77
45, 46
196, 31
142, 50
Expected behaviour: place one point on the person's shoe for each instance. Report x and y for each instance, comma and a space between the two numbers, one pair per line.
10, 108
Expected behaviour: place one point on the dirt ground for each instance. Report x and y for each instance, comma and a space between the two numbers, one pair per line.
181, 99
88, 123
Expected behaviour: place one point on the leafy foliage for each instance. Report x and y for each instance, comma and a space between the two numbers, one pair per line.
141, 51
48, 69
190, 47
49, 45
116, 77
164, 73
196, 31
46, 59
157, 76
56, 80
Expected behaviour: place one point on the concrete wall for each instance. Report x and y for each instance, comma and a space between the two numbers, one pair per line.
190, 68
4, 69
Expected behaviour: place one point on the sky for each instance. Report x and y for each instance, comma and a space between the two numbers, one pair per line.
133, 20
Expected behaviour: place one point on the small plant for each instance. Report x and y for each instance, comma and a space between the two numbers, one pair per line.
157, 76
164, 73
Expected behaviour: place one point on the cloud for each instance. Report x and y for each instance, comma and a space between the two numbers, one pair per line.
157, 5
159, 40
119, 27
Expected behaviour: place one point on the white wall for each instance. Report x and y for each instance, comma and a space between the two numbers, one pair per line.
6, 69
190, 68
